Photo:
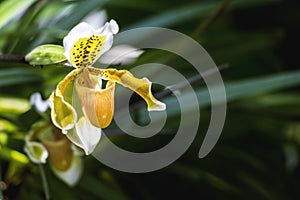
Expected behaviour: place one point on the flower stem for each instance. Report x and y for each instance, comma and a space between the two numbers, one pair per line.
45, 183
1, 195
12, 58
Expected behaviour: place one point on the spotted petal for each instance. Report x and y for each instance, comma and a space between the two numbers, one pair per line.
84, 45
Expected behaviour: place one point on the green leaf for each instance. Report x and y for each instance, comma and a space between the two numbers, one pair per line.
17, 76
237, 90
46, 55
145, 5
12, 8
91, 184
255, 86
79, 11
13, 155
191, 11
13, 105
176, 16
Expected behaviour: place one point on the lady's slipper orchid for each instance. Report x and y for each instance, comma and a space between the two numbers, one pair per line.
82, 47
45, 142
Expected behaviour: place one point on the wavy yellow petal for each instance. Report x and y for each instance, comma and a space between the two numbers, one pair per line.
141, 86
63, 114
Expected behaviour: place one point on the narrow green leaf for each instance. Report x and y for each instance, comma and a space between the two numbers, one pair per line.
18, 76
80, 10
13, 155
195, 10
92, 185
236, 90
176, 16
11, 8
195, 173
145, 5
255, 86
13, 105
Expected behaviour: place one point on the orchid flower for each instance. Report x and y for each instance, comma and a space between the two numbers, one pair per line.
45, 142
82, 47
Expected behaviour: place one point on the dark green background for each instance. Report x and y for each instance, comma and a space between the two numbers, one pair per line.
258, 152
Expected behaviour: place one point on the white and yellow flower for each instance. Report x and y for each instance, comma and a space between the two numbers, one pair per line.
82, 47
45, 142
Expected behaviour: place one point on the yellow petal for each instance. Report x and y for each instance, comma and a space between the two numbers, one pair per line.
63, 114
140, 86
98, 104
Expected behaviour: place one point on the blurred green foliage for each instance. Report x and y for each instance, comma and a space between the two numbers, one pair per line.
257, 156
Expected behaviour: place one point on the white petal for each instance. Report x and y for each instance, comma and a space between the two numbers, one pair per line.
109, 27
36, 151
85, 135
73, 174
96, 18
121, 54
114, 27
37, 101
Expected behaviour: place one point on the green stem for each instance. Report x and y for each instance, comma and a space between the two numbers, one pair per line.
44, 180
1, 195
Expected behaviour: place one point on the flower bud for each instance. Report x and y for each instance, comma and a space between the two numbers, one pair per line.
45, 55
